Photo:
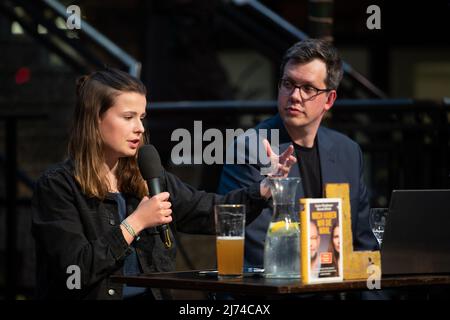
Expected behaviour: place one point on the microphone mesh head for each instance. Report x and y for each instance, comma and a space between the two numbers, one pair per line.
149, 162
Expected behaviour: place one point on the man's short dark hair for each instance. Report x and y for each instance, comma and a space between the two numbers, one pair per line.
307, 50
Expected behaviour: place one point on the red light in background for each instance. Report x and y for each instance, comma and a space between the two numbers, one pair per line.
23, 75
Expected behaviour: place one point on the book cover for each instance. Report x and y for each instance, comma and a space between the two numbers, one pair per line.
321, 240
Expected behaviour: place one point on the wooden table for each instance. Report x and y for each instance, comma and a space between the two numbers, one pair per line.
254, 285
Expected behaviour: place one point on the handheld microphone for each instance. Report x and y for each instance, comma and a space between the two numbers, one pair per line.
150, 166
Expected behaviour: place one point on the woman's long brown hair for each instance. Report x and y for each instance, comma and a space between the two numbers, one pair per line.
95, 95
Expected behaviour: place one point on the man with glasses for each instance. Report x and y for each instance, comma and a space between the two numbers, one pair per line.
310, 74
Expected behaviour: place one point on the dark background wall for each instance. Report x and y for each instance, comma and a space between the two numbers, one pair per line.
202, 50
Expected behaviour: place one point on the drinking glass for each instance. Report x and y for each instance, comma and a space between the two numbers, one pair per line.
230, 231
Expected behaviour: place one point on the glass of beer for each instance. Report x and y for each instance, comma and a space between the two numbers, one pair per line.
230, 230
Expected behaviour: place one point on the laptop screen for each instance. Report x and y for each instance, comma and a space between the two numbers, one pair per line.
417, 233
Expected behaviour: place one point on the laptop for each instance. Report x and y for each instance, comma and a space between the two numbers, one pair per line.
416, 238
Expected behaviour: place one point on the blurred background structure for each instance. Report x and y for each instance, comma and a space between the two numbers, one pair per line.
217, 61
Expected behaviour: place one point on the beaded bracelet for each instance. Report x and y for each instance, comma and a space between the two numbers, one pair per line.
130, 229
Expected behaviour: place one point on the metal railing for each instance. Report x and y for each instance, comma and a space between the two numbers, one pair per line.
262, 106
75, 52
288, 28
134, 66
406, 142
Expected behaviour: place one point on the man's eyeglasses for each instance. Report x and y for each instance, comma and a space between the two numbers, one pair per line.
307, 91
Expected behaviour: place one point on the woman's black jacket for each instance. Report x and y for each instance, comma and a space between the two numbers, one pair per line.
71, 229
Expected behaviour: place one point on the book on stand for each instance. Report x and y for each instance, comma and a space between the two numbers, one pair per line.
321, 240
